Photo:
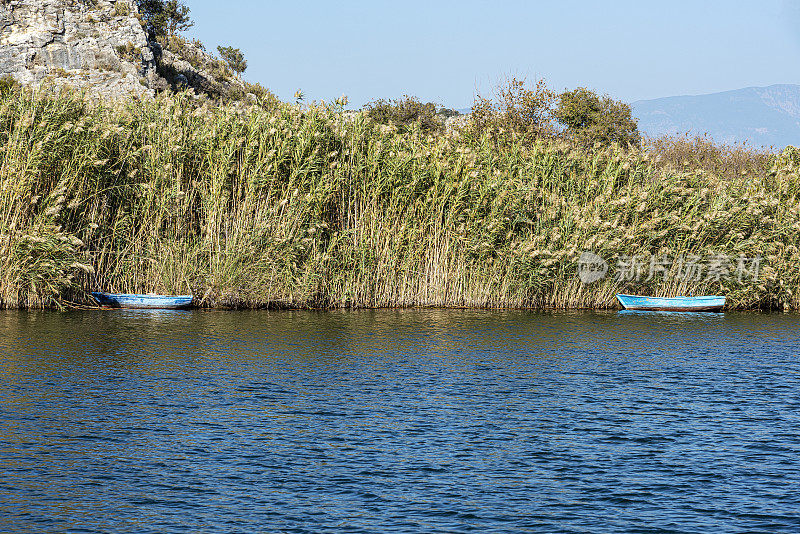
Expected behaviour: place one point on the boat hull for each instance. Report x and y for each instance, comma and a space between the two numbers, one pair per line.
143, 302
673, 304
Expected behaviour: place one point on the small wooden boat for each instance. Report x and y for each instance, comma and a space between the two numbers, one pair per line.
679, 304
155, 302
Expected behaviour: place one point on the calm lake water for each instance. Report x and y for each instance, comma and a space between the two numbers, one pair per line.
399, 421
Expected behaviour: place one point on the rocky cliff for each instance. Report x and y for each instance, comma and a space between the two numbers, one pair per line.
95, 44
100, 45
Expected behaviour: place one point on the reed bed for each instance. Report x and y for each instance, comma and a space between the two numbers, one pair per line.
289, 207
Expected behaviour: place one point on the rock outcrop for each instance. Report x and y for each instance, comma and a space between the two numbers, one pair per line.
95, 44
183, 63
100, 45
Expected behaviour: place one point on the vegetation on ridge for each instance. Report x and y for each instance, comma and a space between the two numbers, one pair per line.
234, 58
519, 112
216, 77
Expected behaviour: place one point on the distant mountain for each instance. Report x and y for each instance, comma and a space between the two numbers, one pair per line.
762, 116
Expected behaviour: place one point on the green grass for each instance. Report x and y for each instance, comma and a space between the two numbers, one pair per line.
312, 208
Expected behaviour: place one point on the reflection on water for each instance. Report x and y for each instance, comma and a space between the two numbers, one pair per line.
398, 421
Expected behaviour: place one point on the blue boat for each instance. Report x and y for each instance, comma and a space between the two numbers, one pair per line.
680, 304
155, 302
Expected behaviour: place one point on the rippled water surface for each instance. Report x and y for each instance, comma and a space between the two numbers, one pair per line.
409, 421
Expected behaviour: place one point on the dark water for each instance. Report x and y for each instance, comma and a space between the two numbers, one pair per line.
412, 421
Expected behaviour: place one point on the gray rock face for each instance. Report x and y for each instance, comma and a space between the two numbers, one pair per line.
186, 64
95, 44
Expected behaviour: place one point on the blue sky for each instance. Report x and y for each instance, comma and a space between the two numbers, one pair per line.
445, 51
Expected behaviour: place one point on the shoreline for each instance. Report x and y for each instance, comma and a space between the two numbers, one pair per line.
308, 208
73, 306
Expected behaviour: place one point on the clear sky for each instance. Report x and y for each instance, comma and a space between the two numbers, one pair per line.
445, 50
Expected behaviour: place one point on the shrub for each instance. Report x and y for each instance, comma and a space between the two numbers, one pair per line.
403, 112
234, 58
189, 51
163, 18
447, 113
122, 9
8, 85
220, 71
591, 119
129, 51
265, 97
516, 110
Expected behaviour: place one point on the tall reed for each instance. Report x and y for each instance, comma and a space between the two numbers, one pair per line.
283, 206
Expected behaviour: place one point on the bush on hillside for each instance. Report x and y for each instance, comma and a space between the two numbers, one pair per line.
163, 18
234, 58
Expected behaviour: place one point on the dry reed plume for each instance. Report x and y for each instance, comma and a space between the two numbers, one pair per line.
309, 208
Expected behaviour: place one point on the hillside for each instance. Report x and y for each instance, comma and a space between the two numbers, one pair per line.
761, 116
